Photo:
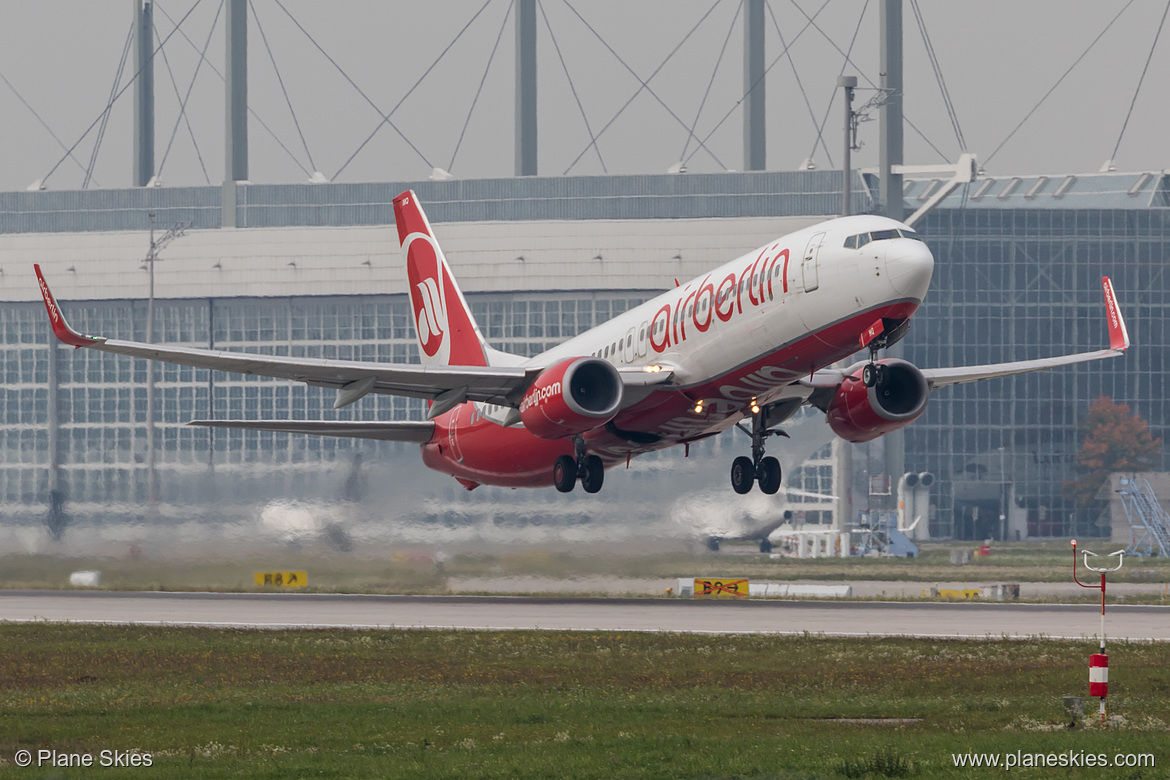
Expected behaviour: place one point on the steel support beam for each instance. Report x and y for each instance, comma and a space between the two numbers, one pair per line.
526, 87
143, 92
236, 85
755, 145
890, 152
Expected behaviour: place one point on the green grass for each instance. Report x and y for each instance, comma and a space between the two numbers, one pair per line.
219, 703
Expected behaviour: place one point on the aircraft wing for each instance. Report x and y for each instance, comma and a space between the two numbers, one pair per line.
418, 432
497, 384
448, 386
1118, 343
829, 379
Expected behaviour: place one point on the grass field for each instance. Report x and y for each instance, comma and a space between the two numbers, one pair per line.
411, 704
390, 570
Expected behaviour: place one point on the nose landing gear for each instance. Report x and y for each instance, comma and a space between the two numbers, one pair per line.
757, 468
874, 373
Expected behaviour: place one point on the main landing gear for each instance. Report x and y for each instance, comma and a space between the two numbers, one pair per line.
757, 468
588, 468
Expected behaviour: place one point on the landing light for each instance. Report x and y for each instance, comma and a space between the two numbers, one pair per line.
652, 369
699, 408
755, 407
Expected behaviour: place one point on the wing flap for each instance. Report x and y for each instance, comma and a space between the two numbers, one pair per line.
417, 432
489, 384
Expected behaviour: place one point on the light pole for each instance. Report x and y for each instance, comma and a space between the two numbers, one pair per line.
175, 231
848, 83
1003, 499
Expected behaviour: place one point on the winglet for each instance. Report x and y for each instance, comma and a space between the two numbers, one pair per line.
1118, 335
61, 329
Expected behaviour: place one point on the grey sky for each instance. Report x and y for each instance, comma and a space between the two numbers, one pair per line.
999, 57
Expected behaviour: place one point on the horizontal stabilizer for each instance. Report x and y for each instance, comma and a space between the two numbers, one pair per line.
418, 432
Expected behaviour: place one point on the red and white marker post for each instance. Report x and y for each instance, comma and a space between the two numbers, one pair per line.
1098, 662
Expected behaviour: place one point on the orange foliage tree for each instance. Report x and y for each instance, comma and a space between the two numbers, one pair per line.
1115, 440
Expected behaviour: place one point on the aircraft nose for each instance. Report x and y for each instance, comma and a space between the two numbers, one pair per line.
909, 264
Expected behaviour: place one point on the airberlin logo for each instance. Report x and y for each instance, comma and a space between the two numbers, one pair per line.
426, 296
539, 396
54, 314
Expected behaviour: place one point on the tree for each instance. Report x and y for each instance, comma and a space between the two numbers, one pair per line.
1116, 439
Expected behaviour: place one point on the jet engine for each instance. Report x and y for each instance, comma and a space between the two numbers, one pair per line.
570, 397
858, 413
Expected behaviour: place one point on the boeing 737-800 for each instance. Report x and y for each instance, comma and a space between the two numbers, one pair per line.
747, 344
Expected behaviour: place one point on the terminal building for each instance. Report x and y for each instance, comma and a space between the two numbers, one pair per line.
315, 270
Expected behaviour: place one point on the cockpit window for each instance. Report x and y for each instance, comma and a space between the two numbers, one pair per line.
860, 240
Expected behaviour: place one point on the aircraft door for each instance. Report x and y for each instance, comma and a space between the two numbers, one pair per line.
629, 348
641, 346
809, 265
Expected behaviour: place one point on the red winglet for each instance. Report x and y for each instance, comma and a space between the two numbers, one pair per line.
61, 329
1118, 335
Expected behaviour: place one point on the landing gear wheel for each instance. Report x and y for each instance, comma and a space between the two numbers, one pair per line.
768, 475
592, 473
765, 546
565, 473
869, 375
743, 474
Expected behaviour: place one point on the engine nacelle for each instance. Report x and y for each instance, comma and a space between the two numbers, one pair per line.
570, 397
858, 413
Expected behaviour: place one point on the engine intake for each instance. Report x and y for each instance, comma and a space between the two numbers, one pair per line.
858, 413
571, 397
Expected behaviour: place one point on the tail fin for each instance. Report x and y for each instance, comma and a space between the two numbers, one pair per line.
446, 332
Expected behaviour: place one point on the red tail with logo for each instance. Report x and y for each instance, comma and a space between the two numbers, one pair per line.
447, 333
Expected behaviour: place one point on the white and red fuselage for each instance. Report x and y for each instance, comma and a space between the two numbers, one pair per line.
740, 335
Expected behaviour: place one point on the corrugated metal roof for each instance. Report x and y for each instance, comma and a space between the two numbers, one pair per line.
659, 196
663, 196
1113, 190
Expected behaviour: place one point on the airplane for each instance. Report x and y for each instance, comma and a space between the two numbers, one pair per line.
747, 345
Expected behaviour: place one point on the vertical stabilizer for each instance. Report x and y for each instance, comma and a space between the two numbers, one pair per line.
445, 330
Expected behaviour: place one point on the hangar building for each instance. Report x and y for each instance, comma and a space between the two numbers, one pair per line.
315, 270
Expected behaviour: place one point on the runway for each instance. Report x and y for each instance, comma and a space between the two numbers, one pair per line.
831, 618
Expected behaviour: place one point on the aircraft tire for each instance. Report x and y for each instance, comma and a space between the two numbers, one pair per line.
743, 474
768, 475
592, 473
565, 473
765, 546
869, 375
